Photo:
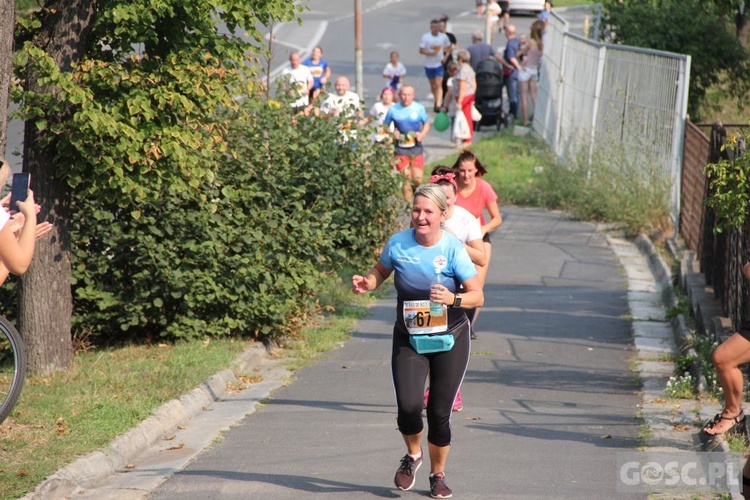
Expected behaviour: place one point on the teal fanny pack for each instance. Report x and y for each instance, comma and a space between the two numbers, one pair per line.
426, 344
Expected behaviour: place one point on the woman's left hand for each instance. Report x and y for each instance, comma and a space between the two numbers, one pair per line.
441, 295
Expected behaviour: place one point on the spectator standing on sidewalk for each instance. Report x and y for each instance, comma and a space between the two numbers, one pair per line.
298, 81
449, 53
463, 89
413, 256
320, 70
411, 126
728, 357
479, 50
531, 54
512, 66
433, 46
475, 194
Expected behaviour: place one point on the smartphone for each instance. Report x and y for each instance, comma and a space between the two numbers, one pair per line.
19, 189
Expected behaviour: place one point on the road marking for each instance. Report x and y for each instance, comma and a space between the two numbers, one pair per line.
304, 51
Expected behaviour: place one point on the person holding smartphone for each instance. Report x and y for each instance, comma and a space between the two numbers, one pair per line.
18, 230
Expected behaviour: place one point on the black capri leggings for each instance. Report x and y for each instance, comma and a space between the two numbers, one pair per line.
446, 371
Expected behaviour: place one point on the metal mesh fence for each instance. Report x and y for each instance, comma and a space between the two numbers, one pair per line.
592, 94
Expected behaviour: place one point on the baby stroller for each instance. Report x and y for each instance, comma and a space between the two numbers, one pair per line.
489, 95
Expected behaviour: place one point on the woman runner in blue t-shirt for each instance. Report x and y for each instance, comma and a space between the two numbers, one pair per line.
415, 255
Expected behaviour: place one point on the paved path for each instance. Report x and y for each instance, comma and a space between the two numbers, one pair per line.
549, 397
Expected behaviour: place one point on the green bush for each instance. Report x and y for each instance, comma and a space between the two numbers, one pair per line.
247, 250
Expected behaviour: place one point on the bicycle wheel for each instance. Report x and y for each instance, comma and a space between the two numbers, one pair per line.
12, 367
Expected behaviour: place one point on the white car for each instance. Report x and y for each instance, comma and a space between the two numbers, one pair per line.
527, 5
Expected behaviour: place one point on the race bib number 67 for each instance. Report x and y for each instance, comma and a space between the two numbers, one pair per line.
417, 318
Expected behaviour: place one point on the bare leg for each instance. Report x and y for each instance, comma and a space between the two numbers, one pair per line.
436, 85
524, 88
407, 188
414, 444
417, 174
728, 357
438, 457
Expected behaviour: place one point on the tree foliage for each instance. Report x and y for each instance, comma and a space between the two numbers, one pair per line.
689, 27
197, 207
729, 184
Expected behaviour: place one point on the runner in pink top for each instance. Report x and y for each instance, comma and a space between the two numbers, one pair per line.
475, 195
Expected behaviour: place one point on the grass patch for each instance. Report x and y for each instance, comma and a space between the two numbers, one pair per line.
510, 162
109, 391
106, 392
615, 186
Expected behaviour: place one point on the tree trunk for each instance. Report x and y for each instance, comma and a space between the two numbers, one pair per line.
45, 302
7, 20
740, 22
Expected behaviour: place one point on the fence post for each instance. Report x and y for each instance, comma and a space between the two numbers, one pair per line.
597, 96
560, 93
678, 141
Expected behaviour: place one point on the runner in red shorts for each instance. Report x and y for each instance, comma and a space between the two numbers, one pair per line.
411, 126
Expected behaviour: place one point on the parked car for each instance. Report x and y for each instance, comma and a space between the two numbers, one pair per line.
527, 5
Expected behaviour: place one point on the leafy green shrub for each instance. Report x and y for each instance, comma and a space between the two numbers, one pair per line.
250, 247
728, 187
198, 209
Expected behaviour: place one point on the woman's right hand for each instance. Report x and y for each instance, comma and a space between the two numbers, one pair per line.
360, 284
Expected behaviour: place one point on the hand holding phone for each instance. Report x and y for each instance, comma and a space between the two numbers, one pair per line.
19, 190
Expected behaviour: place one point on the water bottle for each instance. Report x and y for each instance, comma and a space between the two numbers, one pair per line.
436, 309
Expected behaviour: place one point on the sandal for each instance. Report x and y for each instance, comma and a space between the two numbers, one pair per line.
738, 419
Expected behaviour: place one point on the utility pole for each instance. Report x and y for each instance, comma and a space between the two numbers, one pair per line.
487, 24
358, 83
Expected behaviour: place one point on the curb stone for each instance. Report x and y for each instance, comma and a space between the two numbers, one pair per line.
92, 469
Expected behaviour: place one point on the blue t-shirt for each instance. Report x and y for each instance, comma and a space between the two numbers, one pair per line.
318, 70
414, 269
408, 120
511, 51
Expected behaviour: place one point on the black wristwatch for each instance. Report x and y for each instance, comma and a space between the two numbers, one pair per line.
456, 301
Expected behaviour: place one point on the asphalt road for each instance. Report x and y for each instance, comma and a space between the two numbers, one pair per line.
387, 25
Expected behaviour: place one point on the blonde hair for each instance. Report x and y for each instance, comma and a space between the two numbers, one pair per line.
434, 193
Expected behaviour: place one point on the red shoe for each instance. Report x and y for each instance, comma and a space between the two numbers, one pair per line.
426, 397
458, 403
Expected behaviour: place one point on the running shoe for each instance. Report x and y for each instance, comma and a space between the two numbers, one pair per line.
458, 403
438, 488
406, 473
426, 398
